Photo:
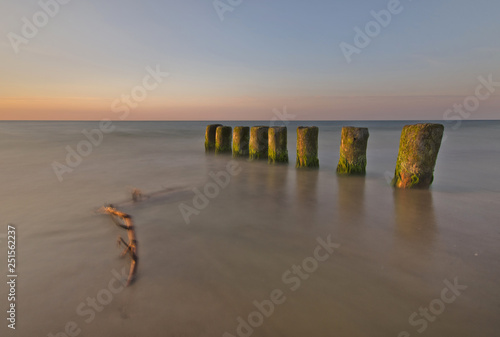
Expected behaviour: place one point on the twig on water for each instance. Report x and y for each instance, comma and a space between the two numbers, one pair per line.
131, 245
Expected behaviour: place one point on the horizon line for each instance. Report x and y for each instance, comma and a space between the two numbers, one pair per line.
244, 120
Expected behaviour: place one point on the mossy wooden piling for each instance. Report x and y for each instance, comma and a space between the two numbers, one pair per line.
307, 147
210, 137
258, 142
278, 152
418, 151
353, 151
223, 138
241, 140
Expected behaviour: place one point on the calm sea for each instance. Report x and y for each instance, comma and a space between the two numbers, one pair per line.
247, 262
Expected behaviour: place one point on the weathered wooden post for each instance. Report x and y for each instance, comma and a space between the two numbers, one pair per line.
258, 142
241, 139
223, 137
210, 137
353, 151
278, 152
307, 146
418, 150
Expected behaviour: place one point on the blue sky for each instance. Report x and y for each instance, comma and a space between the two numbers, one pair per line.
264, 55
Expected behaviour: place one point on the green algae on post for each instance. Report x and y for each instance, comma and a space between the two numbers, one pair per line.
258, 142
241, 139
418, 151
223, 137
353, 151
278, 152
307, 146
210, 137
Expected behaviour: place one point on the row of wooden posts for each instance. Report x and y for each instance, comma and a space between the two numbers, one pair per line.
418, 149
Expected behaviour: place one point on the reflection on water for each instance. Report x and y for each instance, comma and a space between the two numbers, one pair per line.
277, 177
414, 214
306, 187
415, 232
351, 199
306, 196
255, 176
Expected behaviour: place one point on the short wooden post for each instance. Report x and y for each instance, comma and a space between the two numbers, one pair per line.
278, 152
210, 137
307, 146
241, 140
353, 151
418, 151
223, 137
258, 142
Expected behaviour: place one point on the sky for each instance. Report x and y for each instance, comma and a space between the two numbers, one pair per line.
246, 59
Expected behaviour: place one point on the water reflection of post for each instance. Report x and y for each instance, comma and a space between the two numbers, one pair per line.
415, 219
256, 178
351, 200
277, 185
306, 195
265, 188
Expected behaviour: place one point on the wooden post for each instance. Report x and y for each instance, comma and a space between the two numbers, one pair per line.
210, 137
307, 146
418, 151
223, 137
258, 142
353, 151
278, 152
241, 140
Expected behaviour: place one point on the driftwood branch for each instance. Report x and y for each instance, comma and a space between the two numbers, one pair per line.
124, 220
131, 246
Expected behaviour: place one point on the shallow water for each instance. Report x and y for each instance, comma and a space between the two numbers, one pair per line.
396, 250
